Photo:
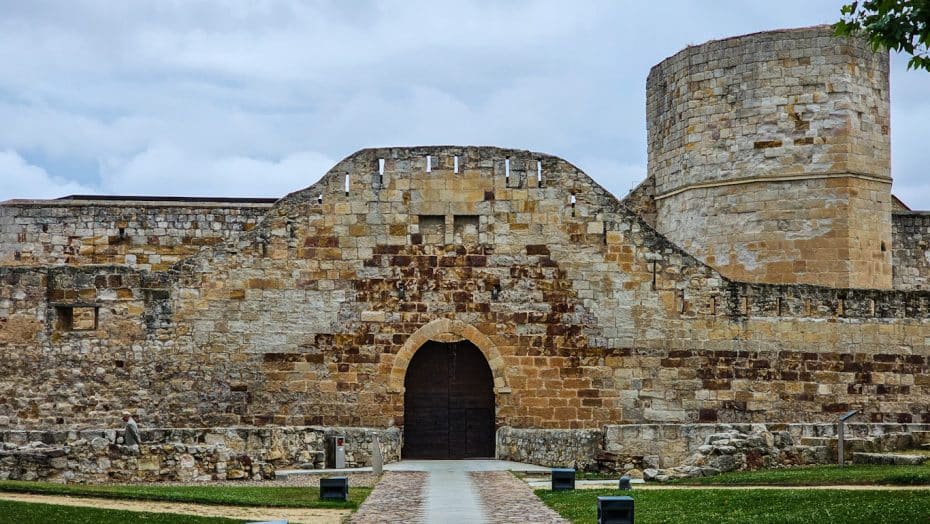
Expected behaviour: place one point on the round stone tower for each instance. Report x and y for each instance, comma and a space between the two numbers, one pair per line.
771, 157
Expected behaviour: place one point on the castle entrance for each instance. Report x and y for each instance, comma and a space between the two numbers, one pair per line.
448, 403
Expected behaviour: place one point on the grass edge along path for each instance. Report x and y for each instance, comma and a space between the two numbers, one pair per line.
830, 475
270, 496
738, 506
38, 513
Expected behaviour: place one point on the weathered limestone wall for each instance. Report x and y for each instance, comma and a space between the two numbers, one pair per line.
176, 454
701, 449
770, 154
312, 317
911, 250
670, 445
140, 234
561, 448
642, 201
53, 376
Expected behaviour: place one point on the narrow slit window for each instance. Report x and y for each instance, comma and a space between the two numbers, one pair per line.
319, 198
455, 164
381, 171
347, 185
429, 163
507, 170
573, 204
539, 180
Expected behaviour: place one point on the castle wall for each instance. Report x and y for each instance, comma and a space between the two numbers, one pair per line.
140, 234
911, 249
598, 320
770, 154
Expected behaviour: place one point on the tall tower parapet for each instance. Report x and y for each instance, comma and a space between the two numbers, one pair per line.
771, 157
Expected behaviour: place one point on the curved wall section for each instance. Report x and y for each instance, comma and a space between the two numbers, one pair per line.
771, 153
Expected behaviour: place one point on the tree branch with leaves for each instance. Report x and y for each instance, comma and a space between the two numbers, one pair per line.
899, 25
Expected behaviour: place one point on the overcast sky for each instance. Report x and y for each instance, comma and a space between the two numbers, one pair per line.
252, 98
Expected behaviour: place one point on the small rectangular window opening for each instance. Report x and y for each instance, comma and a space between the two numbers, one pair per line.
381, 171
76, 318
455, 164
347, 185
539, 180
429, 163
573, 204
319, 198
507, 170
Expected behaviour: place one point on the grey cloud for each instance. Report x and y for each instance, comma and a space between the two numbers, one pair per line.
211, 87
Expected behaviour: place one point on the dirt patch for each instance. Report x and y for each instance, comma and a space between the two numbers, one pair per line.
295, 515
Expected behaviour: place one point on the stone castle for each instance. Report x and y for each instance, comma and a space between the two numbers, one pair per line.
476, 301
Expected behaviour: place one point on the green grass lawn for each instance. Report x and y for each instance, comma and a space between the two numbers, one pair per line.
291, 497
29, 513
819, 476
769, 506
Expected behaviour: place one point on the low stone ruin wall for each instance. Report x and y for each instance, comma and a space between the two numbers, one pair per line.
551, 447
701, 449
181, 454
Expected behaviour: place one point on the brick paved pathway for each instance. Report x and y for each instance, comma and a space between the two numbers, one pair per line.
507, 499
455, 491
398, 497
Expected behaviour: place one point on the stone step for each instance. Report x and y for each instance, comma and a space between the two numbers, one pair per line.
921, 438
893, 459
849, 442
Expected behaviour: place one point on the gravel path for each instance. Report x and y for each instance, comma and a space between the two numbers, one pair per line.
398, 497
303, 516
507, 499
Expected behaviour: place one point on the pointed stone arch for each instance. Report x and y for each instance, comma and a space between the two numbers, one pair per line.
448, 330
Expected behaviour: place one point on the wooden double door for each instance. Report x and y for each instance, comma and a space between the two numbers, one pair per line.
448, 403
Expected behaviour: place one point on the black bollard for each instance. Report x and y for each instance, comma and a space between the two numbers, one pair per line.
625, 482
335, 488
563, 479
614, 510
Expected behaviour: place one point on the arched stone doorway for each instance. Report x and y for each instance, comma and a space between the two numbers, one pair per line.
448, 403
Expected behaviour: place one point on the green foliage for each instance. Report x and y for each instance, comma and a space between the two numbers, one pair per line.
29, 513
290, 497
901, 25
761, 506
820, 476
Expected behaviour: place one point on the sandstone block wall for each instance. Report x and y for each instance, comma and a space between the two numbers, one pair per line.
770, 154
152, 234
911, 250
312, 317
